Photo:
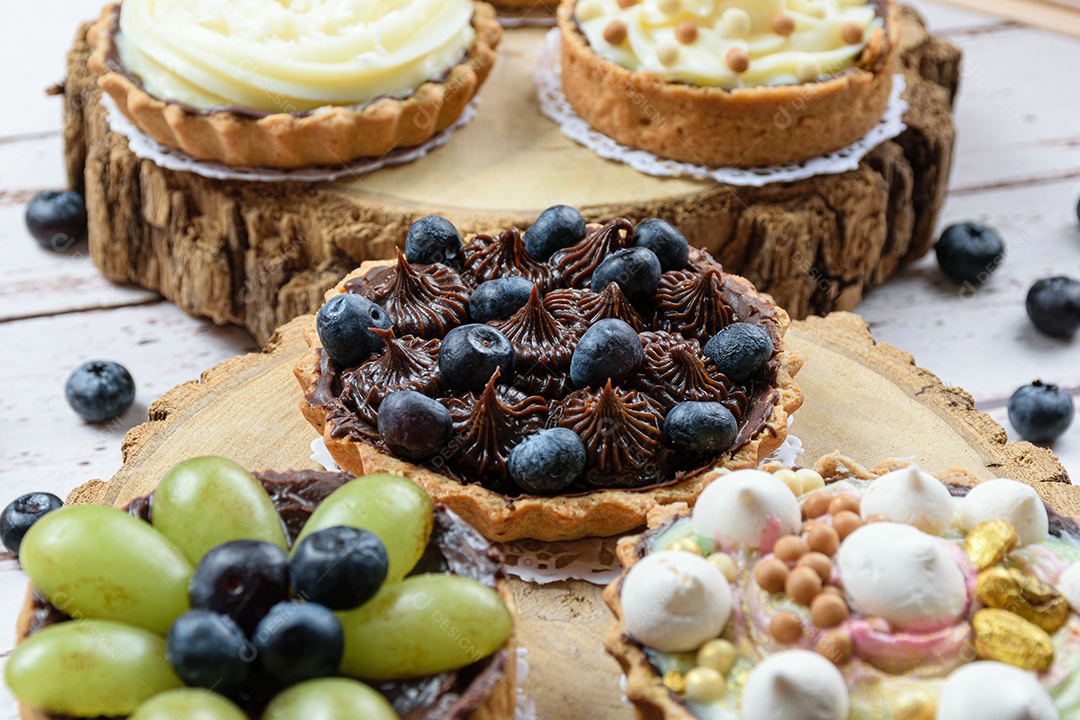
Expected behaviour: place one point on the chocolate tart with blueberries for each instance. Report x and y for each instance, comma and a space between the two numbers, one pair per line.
841, 593
282, 595
552, 385
289, 85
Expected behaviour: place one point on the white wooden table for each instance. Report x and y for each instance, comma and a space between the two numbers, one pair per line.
1018, 168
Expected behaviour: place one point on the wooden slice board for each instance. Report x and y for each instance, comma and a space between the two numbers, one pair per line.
259, 254
865, 399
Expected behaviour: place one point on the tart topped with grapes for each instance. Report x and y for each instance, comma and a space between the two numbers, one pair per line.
553, 384
279, 595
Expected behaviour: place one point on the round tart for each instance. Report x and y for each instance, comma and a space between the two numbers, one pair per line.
629, 464
742, 84
482, 688
852, 594
292, 85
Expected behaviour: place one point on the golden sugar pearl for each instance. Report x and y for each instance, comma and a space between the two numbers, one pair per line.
783, 25
807, 69
819, 562
669, 7
735, 23
803, 585
686, 32
824, 539
817, 504
851, 33
790, 548
704, 685
589, 10
836, 646
989, 542
686, 544
786, 627
674, 681
877, 518
810, 479
845, 523
667, 53
771, 575
615, 32
844, 503
1024, 595
1008, 638
828, 610
725, 564
738, 60
791, 479
720, 655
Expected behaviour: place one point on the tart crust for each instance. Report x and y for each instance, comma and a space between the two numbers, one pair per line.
743, 127
600, 513
330, 135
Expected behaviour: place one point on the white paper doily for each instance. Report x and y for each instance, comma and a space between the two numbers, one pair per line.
510, 21
146, 148
525, 708
553, 103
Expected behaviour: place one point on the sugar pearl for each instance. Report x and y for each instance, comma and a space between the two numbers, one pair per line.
624, 4
790, 548
828, 610
668, 54
824, 540
851, 33
817, 504
725, 564
786, 627
615, 32
717, 654
735, 23
686, 544
811, 479
844, 503
738, 60
771, 575
791, 479
836, 645
846, 523
820, 563
686, 32
783, 24
704, 684
803, 584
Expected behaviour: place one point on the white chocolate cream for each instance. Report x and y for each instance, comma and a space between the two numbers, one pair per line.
730, 43
290, 55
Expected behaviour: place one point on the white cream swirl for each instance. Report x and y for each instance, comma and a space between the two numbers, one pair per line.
290, 55
730, 43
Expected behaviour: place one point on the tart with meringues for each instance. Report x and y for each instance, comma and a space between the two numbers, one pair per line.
553, 385
739, 83
845, 593
288, 85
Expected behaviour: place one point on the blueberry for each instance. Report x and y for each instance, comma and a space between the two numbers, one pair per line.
433, 239
662, 238
100, 390
636, 270
344, 324
499, 299
739, 350
1041, 413
298, 642
700, 428
548, 462
557, 227
970, 252
414, 426
610, 349
56, 219
242, 579
1053, 304
339, 567
17, 517
470, 355
208, 650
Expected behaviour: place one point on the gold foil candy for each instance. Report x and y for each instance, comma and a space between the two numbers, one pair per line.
1024, 595
1008, 638
674, 681
988, 543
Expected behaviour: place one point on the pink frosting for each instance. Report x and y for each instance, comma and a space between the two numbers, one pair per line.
933, 653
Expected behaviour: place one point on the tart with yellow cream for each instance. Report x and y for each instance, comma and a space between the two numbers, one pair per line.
288, 84
740, 83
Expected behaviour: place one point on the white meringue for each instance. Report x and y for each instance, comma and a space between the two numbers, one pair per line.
736, 509
675, 601
796, 685
988, 689
912, 497
1069, 586
903, 575
1014, 502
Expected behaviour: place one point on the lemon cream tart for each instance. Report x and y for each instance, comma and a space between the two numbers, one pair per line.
840, 593
286, 84
732, 82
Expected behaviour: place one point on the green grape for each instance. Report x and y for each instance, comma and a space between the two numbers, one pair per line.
391, 506
92, 561
87, 668
425, 625
205, 502
188, 704
329, 699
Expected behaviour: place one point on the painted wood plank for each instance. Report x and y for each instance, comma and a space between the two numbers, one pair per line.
1060, 16
946, 19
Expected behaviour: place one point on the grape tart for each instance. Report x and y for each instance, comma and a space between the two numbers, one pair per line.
862, 594
482, 690
628, 467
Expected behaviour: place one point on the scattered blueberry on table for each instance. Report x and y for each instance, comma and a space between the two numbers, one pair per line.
21, 514
970, 252
1053, 304
56, 219
100, 390
1041, 412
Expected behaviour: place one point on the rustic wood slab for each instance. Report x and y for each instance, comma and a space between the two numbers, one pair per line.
866, 399
258, 255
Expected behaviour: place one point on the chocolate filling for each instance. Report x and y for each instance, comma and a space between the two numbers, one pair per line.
455, 548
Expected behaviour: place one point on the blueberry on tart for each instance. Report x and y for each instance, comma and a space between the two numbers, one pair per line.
287, 595
286, 85
841, 593
736, 83
566, 411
